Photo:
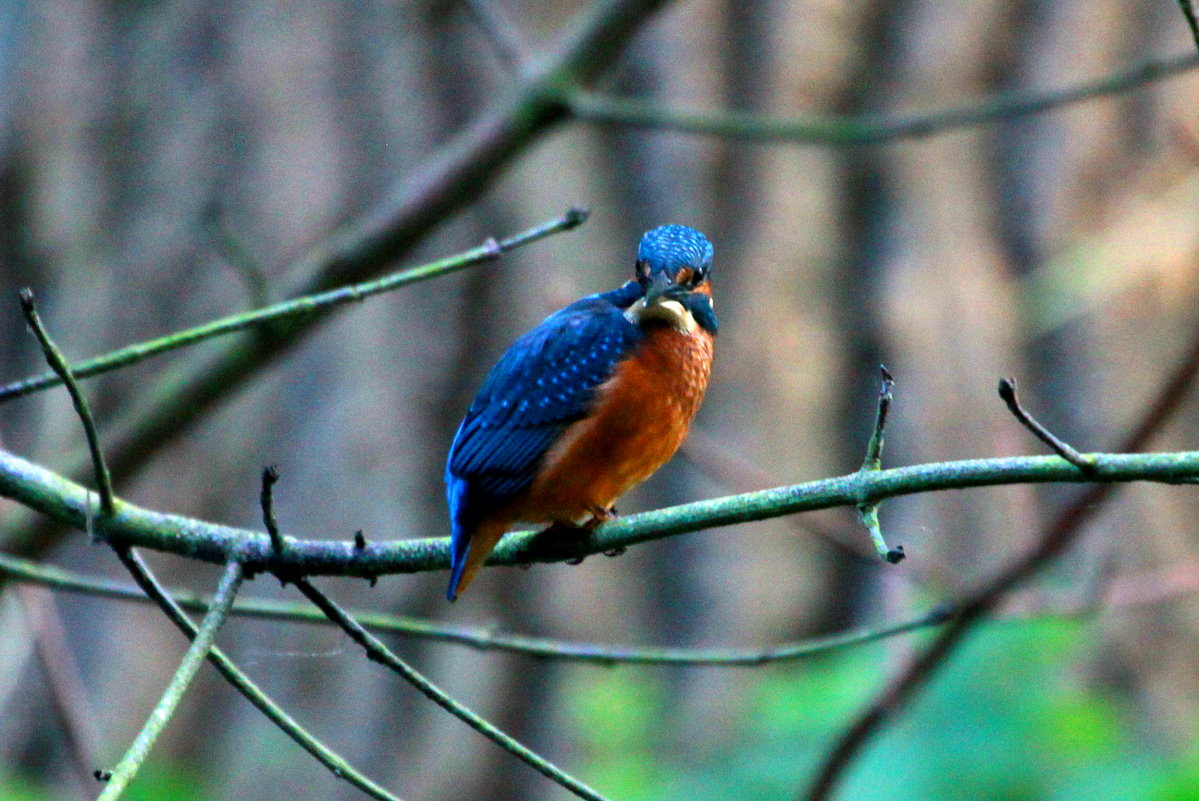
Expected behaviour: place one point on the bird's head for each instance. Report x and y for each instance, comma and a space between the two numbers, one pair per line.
674, 263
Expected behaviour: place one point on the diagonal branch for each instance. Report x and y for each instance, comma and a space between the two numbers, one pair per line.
304, 306
62, 369
197, 652
378, 652
604, 109
275, 713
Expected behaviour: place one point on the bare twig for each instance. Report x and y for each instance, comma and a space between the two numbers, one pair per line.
304, 306
855, 131
275, 713
60, 366
378, 652
481, 638
270, 476
1057, 536
197, 652
872, 463
1007, 391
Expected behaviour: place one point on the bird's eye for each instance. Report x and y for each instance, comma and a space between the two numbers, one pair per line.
694, 277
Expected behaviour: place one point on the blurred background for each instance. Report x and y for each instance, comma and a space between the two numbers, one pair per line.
1059, 249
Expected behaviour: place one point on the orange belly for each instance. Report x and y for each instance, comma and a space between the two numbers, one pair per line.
640, 418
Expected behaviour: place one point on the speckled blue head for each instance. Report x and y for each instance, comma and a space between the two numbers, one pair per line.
670, 248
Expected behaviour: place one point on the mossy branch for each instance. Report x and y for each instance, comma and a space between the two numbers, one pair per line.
66, 502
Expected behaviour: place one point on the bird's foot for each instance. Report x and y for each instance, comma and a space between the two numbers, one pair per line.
601, 515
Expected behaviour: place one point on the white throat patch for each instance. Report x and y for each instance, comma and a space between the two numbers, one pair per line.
670, 312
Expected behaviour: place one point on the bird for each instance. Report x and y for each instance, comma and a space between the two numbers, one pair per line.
589, 403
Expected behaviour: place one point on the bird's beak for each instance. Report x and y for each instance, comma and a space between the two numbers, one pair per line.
659, 285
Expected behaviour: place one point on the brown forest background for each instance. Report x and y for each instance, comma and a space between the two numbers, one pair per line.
1058, 248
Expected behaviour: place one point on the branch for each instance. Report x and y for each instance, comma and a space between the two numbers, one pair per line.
202, 643
378, 652
336, 765
1057, 536
856, 131
65, 375
301, 307
66, 502
484, 639
1007, 391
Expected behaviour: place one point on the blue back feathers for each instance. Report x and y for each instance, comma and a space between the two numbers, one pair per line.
545, 382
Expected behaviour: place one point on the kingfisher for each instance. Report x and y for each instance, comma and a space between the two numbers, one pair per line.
586, 405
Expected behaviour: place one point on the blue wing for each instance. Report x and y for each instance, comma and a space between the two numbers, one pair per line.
546, 381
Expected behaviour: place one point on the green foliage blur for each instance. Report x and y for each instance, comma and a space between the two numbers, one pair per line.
1017, 716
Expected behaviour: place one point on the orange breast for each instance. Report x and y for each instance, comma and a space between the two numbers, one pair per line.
640, 418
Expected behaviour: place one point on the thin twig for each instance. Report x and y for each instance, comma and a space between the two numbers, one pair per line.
873, 462
1057, 536
62, 369
242, 683
1007, 391
298, 307
197, 652
480, 638
874, 448
270, 476
855, 131
379, 652
66, 502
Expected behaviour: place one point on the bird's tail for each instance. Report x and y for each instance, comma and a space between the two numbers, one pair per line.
468, 557
471, 540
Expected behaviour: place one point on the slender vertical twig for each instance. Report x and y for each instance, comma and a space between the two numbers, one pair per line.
242, 683
270, 476
872, 463
59, 364
197, 652
380, 653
